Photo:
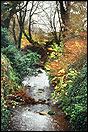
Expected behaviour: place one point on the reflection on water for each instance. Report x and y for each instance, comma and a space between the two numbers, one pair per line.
28, 118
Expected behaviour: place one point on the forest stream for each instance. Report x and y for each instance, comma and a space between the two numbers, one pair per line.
36, 117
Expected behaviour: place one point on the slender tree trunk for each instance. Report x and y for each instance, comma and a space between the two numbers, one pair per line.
65, 13
26, 36
19, 39
60, 30
30, 28
14, 35
30, 40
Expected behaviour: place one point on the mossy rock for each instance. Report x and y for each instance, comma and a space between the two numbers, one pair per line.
51, 112
39, 71
40, 100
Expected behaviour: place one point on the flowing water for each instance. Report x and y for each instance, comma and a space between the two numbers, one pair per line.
29, 117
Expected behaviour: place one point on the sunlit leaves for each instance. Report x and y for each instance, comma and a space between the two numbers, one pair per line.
8, 77
62, 71
67, 76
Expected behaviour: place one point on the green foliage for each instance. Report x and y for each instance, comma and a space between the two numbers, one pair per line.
5, 39
5, 115
14, 64
22, 63
19, 61
9, 84
57, 50
9, 78
73, 97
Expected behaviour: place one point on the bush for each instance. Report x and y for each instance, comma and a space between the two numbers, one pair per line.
73, 97
78, 101
19, 61
13, 65
9, 84
5, 40
5, 115
9, 78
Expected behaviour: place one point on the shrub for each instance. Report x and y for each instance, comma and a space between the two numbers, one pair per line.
72, 94
9, 78
19, 61
5, 39
5, 115
9, 84
14, 64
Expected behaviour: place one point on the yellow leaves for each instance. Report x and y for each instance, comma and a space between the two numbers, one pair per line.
24, 43
2, 98
62, 71
77, 44
56, 60
70, 85
54, 78
52, 55
64, 85
47, 53
47, 68
62, 90
56, 87
66, 93
72, 71
70, 81
4, 102
50, 49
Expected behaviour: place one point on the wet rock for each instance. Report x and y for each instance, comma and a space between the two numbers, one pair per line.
27, 108
40, 90
39, 71
40, 100
43, 113
48, 99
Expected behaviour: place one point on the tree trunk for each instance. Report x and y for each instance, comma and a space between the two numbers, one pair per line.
65, 13
14, 35
30, 30
30, 40
19, 40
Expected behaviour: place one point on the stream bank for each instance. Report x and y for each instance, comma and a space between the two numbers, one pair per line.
37, 117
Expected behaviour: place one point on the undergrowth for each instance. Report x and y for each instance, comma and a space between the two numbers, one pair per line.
14, 65
67, 68
19, 61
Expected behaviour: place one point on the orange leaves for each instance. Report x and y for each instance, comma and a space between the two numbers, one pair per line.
24, 43
62, 71
74, 51
51, 49
24, 96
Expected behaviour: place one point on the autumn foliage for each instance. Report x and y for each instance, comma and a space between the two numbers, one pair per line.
74, 51
68, 72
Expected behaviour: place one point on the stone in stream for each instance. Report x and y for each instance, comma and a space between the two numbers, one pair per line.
51, 112
39, 71
48, 99
40, 100
40, 90
43, 113
27, 108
